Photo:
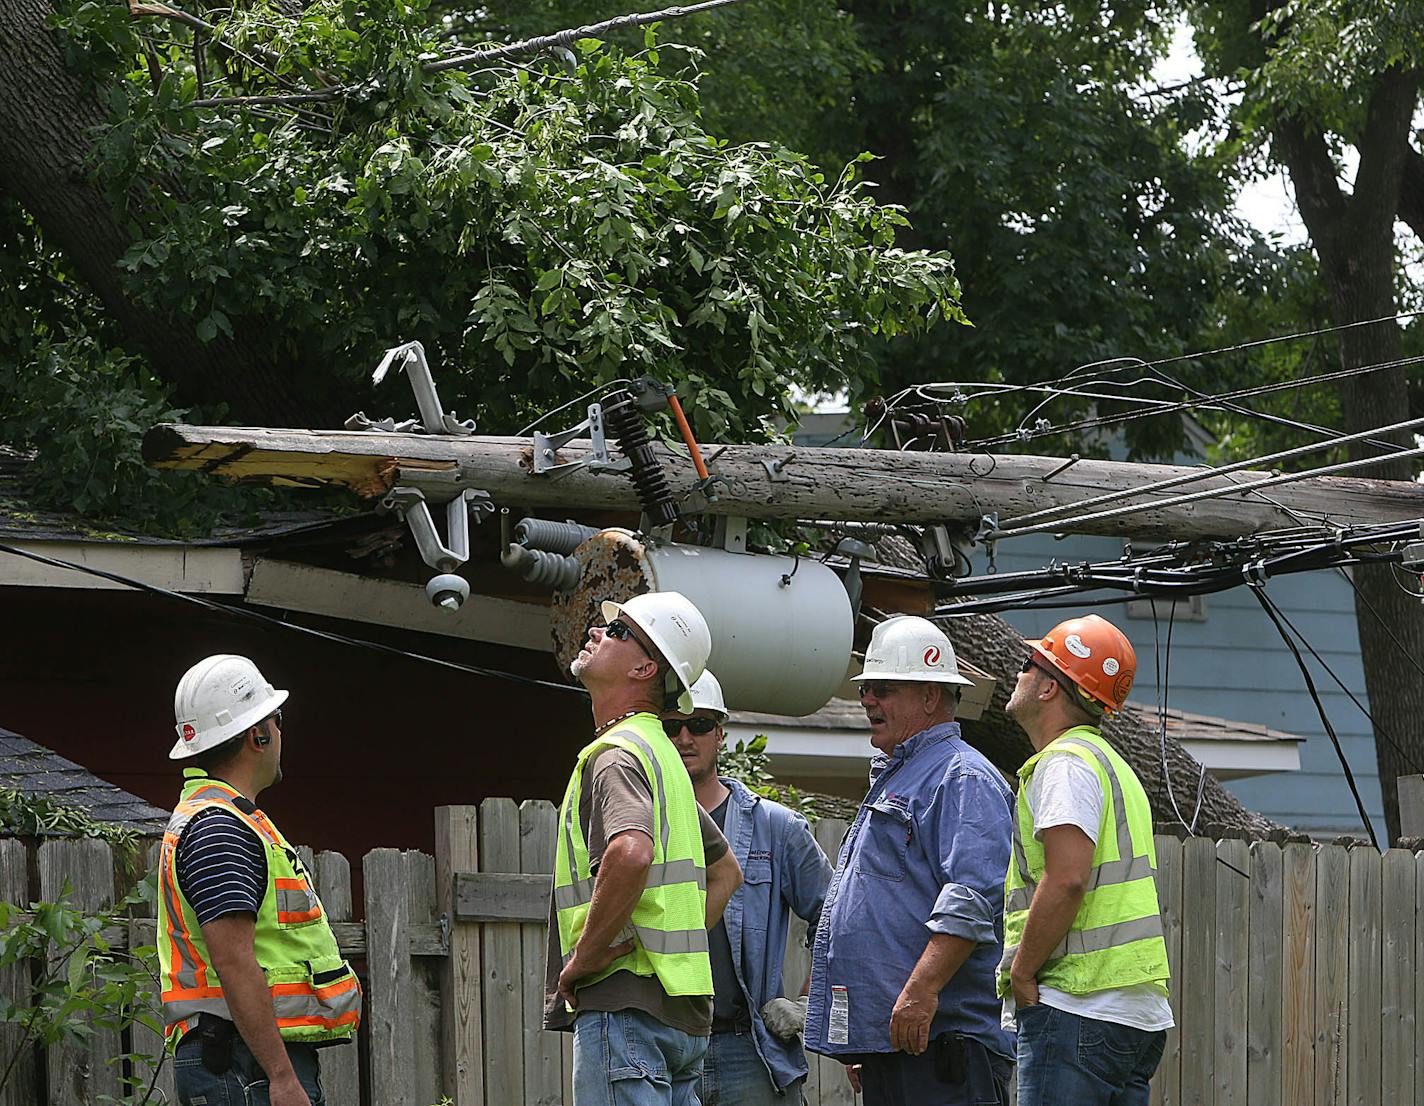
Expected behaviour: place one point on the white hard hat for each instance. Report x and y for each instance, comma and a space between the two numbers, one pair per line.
677, 630
707, 695
216, 700
910, 648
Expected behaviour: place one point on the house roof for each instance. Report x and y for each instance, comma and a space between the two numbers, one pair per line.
34, 770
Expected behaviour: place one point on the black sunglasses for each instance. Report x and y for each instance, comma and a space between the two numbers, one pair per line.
879, 688
697, 727
622, 631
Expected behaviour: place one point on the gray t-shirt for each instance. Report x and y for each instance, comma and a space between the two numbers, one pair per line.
729, 1005
617, 797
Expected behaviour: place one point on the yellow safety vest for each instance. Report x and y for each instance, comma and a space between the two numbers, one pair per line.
1116, 938
669, 923
315, 994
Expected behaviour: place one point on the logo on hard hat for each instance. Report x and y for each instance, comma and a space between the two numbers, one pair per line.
188, 732
1074, 644
1110, 666
932, 656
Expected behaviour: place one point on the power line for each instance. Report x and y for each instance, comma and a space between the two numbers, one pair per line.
1272, 613
1211, 493
242, 613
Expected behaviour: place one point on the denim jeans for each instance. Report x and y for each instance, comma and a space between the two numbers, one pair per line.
629, 1058
899, 1079
1064, 1057
734, 1075
243, 1084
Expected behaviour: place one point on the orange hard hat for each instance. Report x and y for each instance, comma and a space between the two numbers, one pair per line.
1095, 655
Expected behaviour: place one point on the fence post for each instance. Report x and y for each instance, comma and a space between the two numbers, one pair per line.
1332, 995
1298, 974
1363, 1055
341, 1064
389, 1014
1233, 919
22, 1089
503, 967
79, 1074
457, 850
1199, 962
1167, 1083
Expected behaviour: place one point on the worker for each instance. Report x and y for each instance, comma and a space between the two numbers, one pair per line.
641, 872
252, 979
1085, 965
755, 1056
902, 969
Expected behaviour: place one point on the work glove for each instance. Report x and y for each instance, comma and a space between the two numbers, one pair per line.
785, 1017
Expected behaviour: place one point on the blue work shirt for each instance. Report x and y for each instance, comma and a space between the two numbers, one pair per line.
783, 869
926, 854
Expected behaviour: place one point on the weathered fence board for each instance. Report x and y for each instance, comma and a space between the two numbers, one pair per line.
503, 968
83, 872
1233, 916
424, 1071
462, 1039
1398, 965
1265, 944
341, 1064
1362, 1067
543, 1052
389, 999
1198, 1011
1167, 1086
1298, 975
22, 1088
1332, 949
156, 1068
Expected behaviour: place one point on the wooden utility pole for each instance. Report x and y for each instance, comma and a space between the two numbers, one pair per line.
789, 482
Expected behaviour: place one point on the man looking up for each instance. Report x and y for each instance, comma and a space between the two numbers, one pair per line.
902, 970
251, 974
1085, 965
640, 871
755, 1056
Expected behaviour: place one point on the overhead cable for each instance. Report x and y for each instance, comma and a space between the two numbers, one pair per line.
1210, 493
1208, 473
244, 614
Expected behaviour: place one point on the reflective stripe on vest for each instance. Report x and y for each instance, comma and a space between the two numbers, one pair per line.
668, 925
315, 995
1116, 937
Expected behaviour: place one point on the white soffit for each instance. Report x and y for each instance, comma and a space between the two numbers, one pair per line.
195, 570
324, 591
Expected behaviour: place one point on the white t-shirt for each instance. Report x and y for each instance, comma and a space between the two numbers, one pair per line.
1065, 791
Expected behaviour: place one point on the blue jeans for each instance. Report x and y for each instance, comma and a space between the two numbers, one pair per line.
948, 1073
243, 1084
1067, 1058
629, 1058
734, 1075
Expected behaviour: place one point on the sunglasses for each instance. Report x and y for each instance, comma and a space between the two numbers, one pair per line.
622, 631
697, 727
276, 717
878, 688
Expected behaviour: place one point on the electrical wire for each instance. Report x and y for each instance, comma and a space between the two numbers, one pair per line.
579, 399
244, 614
1163, 678
1272, 613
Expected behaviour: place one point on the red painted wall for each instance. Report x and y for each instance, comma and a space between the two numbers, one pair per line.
371, 743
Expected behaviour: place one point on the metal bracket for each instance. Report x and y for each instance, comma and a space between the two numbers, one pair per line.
547, 446
433, 419
730, 533
409, 504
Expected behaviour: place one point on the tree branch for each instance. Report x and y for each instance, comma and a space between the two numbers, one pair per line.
572, 34
275, 98
1312, 171
1383, 146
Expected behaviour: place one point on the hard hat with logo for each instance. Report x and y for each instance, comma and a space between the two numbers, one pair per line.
677, 630
707, 695
216, 700
1095, 655
911, 648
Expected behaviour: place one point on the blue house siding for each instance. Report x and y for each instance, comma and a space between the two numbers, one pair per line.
1234, 665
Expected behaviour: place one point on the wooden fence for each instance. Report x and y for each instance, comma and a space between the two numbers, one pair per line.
1294, 971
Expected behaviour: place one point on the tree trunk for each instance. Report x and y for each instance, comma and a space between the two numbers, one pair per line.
1353, 237
49, 113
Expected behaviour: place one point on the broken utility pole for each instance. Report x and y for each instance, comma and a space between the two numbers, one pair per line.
790, 482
